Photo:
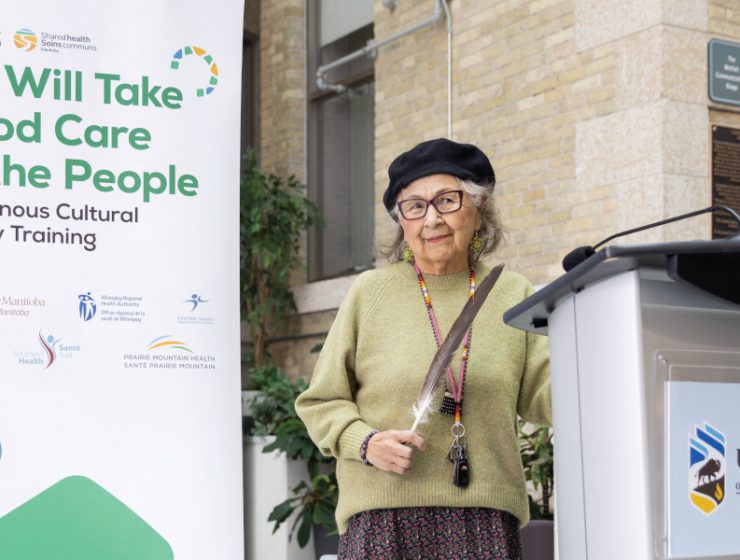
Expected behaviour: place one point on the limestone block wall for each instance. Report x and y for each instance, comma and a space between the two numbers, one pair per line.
653, 149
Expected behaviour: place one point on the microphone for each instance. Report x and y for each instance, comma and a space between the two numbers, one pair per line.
580, 254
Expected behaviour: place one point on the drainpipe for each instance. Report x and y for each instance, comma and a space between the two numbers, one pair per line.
372, 48
448, 16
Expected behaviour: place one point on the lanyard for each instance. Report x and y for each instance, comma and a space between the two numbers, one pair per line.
455, 388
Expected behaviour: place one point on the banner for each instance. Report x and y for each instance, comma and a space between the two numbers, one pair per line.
120, 415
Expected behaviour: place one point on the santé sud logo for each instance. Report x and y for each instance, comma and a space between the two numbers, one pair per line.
707, 468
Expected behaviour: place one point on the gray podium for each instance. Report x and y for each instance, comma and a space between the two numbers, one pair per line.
645, 359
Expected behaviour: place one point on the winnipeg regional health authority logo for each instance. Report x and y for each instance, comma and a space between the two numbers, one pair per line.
707, 468
88, 307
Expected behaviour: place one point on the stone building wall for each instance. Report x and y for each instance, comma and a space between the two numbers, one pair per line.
519, 89
283, 87
594, 112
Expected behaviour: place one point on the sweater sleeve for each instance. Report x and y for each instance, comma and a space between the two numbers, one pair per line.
328, 407
534, 403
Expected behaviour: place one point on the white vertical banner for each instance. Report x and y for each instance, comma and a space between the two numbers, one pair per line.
120, 431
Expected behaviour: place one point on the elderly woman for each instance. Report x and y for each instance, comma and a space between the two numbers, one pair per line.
427, 495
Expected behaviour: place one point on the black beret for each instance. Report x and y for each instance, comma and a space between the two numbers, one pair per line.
464, 161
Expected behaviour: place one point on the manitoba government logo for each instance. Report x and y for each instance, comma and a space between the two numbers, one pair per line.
707, 468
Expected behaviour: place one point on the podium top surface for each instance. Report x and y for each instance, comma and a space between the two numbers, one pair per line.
698, 258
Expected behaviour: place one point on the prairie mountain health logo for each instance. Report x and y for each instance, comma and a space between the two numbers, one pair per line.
707, 468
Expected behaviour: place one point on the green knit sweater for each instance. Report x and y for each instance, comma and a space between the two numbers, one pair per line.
371, 369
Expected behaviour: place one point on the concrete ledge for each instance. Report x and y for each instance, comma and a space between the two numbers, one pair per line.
323, 295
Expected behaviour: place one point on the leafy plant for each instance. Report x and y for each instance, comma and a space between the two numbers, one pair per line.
275, 405
316, 505
274, 413
535, 445
274, 214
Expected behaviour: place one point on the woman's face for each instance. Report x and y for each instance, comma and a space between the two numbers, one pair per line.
439, 241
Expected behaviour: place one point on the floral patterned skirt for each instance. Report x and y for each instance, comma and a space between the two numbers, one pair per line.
429, 533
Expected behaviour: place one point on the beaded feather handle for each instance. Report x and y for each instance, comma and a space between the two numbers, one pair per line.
442, 358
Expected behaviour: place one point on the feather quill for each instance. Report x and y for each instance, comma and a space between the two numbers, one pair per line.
423, 405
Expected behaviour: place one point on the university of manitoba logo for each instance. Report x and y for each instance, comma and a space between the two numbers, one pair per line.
707, 468
88, 307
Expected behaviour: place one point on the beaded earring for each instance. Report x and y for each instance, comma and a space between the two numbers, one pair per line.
407, 255
476, 245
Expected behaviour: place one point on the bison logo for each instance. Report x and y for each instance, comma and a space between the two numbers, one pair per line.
707, 468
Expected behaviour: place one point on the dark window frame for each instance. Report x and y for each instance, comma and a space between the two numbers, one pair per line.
250, 132
350, 77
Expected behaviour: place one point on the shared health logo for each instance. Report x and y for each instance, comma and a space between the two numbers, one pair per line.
178, 57
88, 307
707, 468
25, 39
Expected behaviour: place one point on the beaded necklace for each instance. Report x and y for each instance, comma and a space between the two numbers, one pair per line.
452, 402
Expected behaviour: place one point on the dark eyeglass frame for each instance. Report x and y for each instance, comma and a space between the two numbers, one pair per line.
430, 202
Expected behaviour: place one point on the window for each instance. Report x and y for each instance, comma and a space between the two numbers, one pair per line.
341, 139
250, 94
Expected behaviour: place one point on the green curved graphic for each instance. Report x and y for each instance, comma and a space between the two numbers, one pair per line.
75, 519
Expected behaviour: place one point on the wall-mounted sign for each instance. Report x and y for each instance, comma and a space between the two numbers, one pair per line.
724, 72
725, 178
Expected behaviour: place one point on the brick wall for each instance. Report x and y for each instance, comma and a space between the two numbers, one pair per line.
594, 112
519, 87
283, 85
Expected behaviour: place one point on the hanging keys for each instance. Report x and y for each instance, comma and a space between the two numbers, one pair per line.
458, 456
461, 477
456, 451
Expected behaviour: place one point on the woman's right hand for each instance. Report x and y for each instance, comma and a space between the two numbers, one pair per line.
391, 450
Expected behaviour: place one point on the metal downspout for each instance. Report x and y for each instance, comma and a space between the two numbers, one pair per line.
373, 46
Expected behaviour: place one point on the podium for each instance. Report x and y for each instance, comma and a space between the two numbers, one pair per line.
645, 361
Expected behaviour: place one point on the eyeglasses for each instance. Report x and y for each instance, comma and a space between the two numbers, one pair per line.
444, 203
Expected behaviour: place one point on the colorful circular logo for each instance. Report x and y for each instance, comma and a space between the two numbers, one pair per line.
25, 39
205, 57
